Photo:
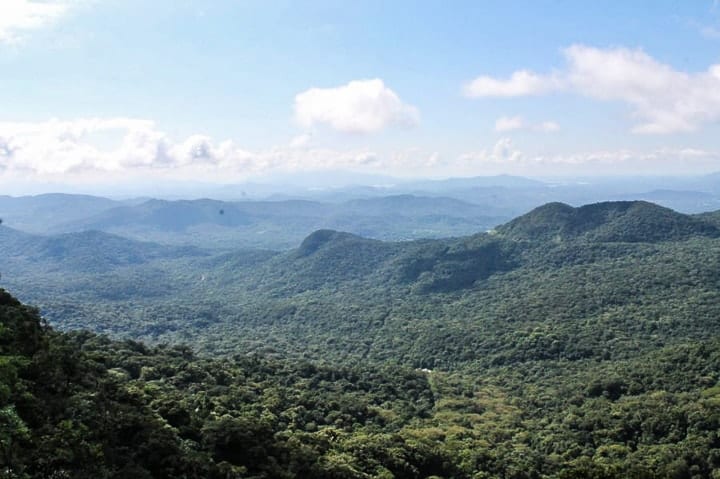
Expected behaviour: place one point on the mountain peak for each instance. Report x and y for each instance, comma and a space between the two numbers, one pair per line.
613, 221
316, 240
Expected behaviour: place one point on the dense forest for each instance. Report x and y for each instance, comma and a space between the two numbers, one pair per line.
567, 343
80, 405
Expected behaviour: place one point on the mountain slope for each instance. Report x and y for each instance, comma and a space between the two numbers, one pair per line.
620, 221
167, 215
44, 213
284, 224
88, 251
487, 299
415, 206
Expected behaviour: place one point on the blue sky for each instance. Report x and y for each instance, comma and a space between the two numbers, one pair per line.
229, 90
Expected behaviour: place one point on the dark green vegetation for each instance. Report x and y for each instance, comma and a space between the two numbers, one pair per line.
568, 343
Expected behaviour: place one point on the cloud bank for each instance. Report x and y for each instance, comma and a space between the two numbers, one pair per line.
504, 157
118, 147
661, 99
121, 149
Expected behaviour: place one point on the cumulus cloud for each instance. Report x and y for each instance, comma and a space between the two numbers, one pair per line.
661, 99
122, 149
504, 157
361, 106
547, 126
520, 83
502, 153
117, 147
301, 141
505, 124
17, 17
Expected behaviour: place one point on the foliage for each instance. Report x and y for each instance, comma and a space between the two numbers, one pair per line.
575, 351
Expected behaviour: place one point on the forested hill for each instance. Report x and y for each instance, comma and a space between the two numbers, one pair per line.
554, 232
568, 343
619, 221
590, 285
282, 224
86, 251
79, 405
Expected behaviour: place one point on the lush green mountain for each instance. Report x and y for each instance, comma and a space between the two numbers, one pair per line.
513, 295
583, 359
571, 342
81, 406
167, 215
283, 224
43, 213
621, 221
14, 242
395, 210
88, 251
712, 217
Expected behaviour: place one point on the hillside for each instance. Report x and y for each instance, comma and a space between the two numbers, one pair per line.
506, 354
88, 251
283, 224
602, 362
451, 303
43, 213
621, 221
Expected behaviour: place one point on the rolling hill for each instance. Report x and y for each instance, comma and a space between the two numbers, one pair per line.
569, 342
87, 251
283, 224
624, 267
44, 213
622, 221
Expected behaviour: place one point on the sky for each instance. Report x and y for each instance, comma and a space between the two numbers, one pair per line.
224, 91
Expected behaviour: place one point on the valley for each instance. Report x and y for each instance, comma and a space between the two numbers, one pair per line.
568, 342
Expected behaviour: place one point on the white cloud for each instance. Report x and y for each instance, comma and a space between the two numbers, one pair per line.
520, 83
662, 99
301, 141
126, 149
502, 153
505, 124
504, 157
361, 106
17, 17
547, 126
122, 147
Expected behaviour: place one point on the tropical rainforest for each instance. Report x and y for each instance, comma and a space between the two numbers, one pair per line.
570, 342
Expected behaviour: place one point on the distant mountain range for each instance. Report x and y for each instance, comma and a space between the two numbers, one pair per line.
264, 224
390, 210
